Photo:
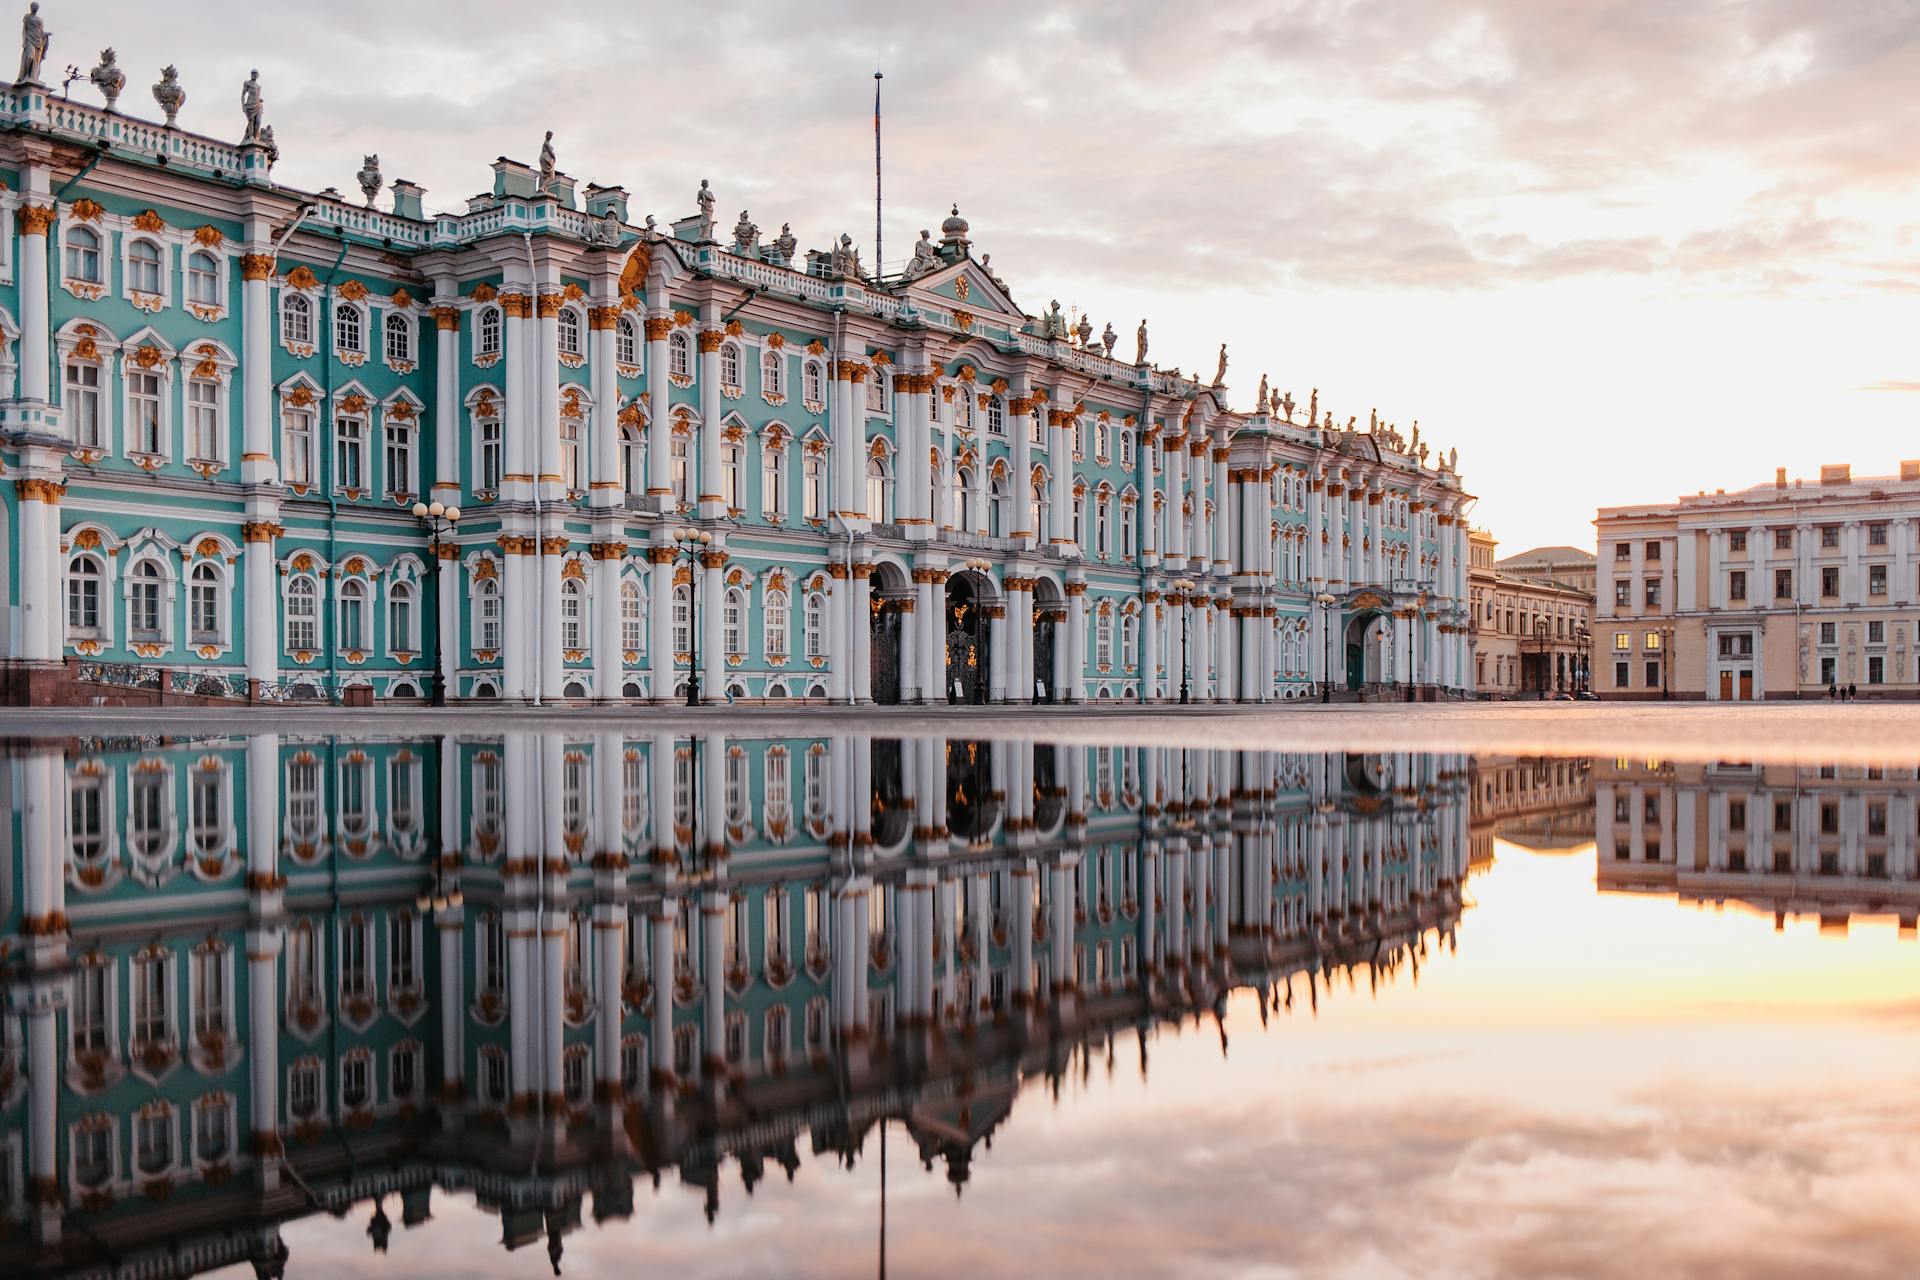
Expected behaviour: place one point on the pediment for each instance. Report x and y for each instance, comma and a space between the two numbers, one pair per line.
966, 284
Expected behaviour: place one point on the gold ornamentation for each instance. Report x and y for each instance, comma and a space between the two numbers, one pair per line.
517, 306
149, 220
258, 266
446, 318
87, 210
709, 340
602, 318
36, 219
148, 356
353, 291
353, 403
549, 304
302, 277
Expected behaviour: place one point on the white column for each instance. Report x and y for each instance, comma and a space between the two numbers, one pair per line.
609, 659
35, 220
1020, 433
446, 404
552, 666
447, 617
660, 657
712, 497
660, 419
604, 483
1076, 683
1150, 647
712, 605
41, 574
859, 623
256, 358
1060, 458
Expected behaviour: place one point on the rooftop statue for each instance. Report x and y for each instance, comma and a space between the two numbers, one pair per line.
1453, 459
1107, 338
846, 258
1055, 324
610, 230
1285, 404
704, 198
1313, 407
547, 159
1260, 402
1416, 433
108, 78
1085, 331
34, 39
272, 147
1220, 373
746, 235
786, 242
169, 94
252, 104
1140, 344
369, 178
926, 257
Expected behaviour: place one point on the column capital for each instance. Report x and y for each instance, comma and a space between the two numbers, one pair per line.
254, 266
445, 317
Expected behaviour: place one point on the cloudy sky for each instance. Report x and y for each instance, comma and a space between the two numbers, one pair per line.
1612, 251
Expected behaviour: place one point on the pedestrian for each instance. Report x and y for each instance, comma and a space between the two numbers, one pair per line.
1853, 693
1833, 691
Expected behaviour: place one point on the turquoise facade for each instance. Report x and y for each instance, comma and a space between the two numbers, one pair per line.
224, 398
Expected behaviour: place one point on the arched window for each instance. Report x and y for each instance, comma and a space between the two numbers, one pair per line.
1039, 505
997, 507
633, 461
678, 458
146, 592
143, 267
1103, 638
773, 372
813, 625
1126, 530
303, 614
963, 408
996, 416
487, 332
679, 354
814, 383
1102, 433
733, 623
83, 255
877, 390
626, 342
730, 365
569, 331
1129, 639
204, 611
633, 630
682, 617
349, 329
879, 485
85, 578
353, 614
399, 334
573, 614
1102, 521
296, 320
963, 498
776, 623
203, 279
400, 636
486, 609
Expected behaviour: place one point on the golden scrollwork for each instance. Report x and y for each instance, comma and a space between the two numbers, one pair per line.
549, 305
149, 220
710, 339
87, 210
517, 306
257, 266
209, 236
302, 277
658, 327
36, 220
603, 318
446, 318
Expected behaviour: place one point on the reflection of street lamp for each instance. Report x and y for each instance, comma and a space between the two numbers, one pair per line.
444, 893
690, 543
1184, 586
439, 519
1326, 602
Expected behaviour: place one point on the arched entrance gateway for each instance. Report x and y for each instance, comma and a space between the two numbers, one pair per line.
968, 638
1049, 614
1365, 637
892, 606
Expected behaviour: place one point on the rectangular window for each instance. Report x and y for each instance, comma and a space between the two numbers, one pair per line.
1783, 539
1876, 632
1621, 676
1876, 579
488, 479
1830, 580
1830, 536
203, 420
1737, 585
1622, 640
1737, 541
1827, 632
1653, 553
1782, 584
83, 403
143, 412
1653, 593
1622, 594
399, 459
297, 449
1653, 675
350, 461
1623, 551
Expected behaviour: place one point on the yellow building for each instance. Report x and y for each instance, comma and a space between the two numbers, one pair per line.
1777, 591
1529, 632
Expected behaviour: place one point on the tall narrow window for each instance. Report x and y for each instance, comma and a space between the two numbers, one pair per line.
399, 459
83, 404
773, 480
487, 476
626, 342
144, 406
813, 492
350, 454
143, 267
353, 614
486, 596
349, 330
144, 595
303, 614
813, 624
203, 604
203, 420
85, 577
486, 340
773, 376
633, 632
730, 366
399, 335
569, 331
296, 320
682, 618
400, 631
297, 446
679, 355
570, 471
83, 256
733, 625
775, 620
573, 624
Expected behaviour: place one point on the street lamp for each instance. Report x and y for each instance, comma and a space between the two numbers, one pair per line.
1326, 601
1546, 659
443, 893
1185, 587
439, 520
690, 543
1666, 663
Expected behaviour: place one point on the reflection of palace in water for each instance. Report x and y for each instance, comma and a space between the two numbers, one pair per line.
252, 978
1542, 803
1832, 841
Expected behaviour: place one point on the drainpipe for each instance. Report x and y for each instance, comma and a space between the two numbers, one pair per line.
539, 529
1143, 467
833, 374
326, 461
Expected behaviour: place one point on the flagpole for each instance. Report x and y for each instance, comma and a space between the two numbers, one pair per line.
879, 263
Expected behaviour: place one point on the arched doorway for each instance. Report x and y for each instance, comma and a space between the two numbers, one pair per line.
968, 639
972, 808
892, 596
892, 809
1363, 648
1049, 615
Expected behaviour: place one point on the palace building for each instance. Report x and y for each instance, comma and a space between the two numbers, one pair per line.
252, 978
224, 399
1781, 590
1529, 630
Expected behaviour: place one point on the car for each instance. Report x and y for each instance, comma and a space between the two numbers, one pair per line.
1586, 695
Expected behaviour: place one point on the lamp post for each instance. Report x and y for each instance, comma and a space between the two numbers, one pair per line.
443, 892
984, 568
439, 520
1184, 586
1666, 663
1583, 662
1326, 602
690, 543
1546, 659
